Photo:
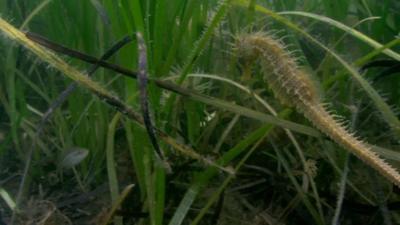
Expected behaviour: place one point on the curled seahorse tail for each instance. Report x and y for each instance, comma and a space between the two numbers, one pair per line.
324, 121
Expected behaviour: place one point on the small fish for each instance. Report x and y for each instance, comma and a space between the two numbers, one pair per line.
73, 157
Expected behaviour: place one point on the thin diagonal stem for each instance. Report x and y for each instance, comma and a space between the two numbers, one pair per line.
176, 88
55, 104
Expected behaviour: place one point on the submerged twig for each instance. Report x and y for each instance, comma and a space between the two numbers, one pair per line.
178, 89
78, 55
389, 67
55, 104
144, 100
97, 89
64, 95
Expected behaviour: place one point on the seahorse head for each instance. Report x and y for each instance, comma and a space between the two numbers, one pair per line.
246, 47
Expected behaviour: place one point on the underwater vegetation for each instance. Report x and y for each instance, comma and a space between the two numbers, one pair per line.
199, 112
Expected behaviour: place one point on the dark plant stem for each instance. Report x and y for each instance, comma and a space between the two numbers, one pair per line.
144, 100
176, 88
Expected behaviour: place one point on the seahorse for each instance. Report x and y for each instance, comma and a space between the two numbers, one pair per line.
294, 87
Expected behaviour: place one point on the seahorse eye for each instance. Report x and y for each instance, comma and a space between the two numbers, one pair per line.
246, 50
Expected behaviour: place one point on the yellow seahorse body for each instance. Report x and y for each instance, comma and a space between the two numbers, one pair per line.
294, 87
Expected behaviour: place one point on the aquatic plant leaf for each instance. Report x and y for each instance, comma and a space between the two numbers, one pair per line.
102, 12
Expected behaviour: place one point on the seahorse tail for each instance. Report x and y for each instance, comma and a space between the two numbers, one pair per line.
325, 122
